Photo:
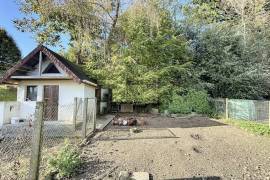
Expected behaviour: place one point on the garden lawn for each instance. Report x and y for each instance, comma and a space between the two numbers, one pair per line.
7, 94
250, 126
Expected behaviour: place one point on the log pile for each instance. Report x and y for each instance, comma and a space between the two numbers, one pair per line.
127, 121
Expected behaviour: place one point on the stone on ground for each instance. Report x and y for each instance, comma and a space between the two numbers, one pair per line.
125, 175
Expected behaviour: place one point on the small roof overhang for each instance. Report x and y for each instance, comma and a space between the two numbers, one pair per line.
73, 72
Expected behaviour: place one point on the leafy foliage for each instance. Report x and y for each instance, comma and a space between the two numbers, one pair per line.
7, 94
149, 50
230, 53
193, 101
180, 105
9, 52
250, 126
148, 61
66, 161
198, 102
227, 69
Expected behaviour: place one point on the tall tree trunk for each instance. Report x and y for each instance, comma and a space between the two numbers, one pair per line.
108, 42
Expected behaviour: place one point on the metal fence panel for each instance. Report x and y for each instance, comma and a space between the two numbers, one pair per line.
253, 110
248, 110
59, 123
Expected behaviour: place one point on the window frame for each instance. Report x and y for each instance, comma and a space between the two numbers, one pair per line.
27, 93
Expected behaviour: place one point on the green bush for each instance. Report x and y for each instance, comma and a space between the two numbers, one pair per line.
198, 102
7, 94
179, 105
66, 160
193, 101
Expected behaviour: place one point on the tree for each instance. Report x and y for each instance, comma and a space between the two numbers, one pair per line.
9, 52
227, 68
89, 24
230, 47
150, 60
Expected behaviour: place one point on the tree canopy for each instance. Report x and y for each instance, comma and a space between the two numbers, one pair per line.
9, 52
149, 50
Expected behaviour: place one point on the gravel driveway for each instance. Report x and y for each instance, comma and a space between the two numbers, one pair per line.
215, 151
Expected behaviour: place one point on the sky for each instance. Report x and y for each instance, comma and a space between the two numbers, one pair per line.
9, 10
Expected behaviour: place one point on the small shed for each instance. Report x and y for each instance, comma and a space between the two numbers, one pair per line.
44, 75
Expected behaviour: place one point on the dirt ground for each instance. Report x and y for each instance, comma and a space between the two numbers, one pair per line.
180, 148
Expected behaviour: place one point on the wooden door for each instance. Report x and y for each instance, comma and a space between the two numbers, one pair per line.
51, 96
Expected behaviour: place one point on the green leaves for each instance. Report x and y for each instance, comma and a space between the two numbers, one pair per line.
149, 58
193, 101
9, 52
66, 161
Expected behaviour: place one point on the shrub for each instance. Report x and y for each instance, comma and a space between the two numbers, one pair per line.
179, 105
193, 101
66, 160
198, 102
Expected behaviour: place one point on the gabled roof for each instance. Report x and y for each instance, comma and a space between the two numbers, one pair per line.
73, 70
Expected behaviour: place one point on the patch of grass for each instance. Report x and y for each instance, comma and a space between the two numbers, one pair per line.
7, 93
65, 162
250, 126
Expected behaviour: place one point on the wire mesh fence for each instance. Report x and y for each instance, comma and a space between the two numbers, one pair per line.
253, 110
85, 115
15, 151
59, 123
70, 122
219, 107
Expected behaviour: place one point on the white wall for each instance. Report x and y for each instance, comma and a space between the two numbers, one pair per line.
68, 90
89, 91
7, 111
27, 110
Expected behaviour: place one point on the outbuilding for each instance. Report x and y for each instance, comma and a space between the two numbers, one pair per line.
44, 75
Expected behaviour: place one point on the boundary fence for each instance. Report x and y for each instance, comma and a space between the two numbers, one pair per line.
25, 148
252, 110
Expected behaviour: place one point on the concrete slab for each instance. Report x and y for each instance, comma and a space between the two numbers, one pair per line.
125, 175
103, 121
140, 176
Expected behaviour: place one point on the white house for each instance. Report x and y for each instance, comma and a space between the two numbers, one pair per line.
44, 75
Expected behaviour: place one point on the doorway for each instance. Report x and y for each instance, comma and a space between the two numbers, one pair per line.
51, 96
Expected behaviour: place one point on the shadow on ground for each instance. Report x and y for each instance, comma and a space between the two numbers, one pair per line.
158, 121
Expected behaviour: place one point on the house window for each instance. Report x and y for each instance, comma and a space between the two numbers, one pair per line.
31, 93
51, 69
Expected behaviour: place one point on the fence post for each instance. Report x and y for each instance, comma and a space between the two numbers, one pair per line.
75, 112
226, 109
85, 103
95, 115
36, 142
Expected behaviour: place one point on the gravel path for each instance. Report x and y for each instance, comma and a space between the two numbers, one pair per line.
218, 152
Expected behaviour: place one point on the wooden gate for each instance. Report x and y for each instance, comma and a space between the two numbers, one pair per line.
51, 96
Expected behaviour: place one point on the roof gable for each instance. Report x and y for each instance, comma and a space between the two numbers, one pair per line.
73, 70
